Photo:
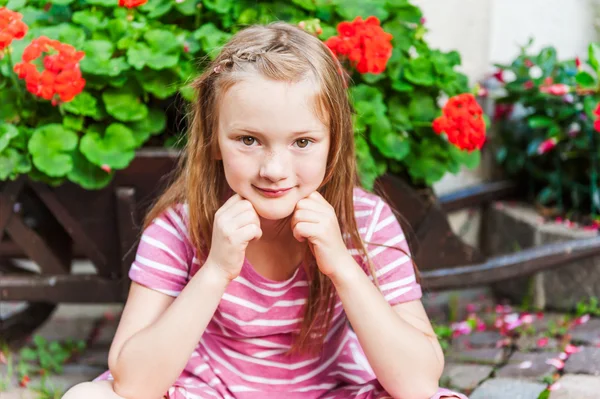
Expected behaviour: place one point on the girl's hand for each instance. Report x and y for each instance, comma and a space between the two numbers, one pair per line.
236, 224
315, 220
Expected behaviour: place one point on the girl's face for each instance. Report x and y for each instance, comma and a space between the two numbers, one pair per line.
271, 139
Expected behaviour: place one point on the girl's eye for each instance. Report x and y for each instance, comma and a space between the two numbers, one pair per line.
303, 143
248, 140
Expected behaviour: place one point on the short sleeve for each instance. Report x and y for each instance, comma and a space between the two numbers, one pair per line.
163, 258
393, 267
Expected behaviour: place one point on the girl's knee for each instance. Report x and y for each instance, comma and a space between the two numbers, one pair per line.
92, 390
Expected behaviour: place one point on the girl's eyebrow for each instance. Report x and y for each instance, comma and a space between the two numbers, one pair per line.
293, 134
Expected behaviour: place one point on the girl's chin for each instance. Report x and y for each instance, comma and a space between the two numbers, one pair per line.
274, 214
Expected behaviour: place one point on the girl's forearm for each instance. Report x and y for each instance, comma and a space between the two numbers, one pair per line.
152, 359
407, 363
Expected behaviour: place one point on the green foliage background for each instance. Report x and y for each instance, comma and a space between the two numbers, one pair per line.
137, 62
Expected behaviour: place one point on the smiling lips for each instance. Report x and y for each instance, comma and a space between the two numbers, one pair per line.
272, 193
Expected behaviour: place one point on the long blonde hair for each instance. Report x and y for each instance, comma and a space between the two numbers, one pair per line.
281, 52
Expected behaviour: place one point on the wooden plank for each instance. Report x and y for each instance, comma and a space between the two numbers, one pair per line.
72, 227
83, 288
36, 248
522, 263
478, 195
127, 222
8, 197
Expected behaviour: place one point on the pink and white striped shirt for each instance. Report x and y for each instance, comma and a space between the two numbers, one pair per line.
242, 352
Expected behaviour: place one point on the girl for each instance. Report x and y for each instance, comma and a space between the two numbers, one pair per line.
252, 263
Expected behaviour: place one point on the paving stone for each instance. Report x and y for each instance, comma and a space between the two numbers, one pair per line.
477, 340
505, 388
577, 387
465, 377
531, 366
529, 343
543, 324
95, 357
480, 356
587, 361
588, 333
62, 328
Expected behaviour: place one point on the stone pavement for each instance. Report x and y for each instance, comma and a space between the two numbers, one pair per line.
516, 356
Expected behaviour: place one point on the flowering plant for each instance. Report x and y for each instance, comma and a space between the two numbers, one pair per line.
83, 84
547, 135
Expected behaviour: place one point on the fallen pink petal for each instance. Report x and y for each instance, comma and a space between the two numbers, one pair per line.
554, 386
570, 349
563, 356
542, 342
559, 364
526, 364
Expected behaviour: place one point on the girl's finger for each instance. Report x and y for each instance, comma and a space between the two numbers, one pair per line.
240, 207
235, 198
249, 232
304, 215
244, 218
304, 230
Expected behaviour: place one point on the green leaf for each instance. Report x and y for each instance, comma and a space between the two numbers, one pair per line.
90, 19
219, 6
367, 168
161, 84
589, 106
115, 149
13, 163
585, 80
187, 7
306, 4
594, 57
540, 122
422, 107
103, 3
420, 72
97, 56
368, 102
212, 38
409, 13
137, 55
162, 41
160, 61
88, 175
72, 122
15, 5
124, 106
157, 8
188, 93
83, 104
155, 123
470, 159
7, 133
350, 9
50, 148
390, 144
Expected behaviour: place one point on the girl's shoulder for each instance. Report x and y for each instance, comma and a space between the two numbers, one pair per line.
365, 201
172, 222
369, 209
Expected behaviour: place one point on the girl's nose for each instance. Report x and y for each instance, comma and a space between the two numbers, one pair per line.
274, 167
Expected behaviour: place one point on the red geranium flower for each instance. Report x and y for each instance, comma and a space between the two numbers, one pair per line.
462, 121
132, 3
61, 77
11, 27
364, 43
